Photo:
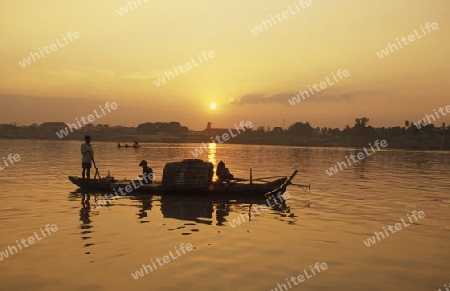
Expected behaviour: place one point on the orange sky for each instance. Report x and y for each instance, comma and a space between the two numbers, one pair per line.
117, 58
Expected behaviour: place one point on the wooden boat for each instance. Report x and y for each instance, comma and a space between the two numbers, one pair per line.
103, 184
189, 177
135, 146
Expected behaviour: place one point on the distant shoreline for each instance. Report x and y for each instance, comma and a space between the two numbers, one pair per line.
425, 137
424, 143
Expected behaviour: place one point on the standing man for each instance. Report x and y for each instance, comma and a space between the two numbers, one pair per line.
87, 156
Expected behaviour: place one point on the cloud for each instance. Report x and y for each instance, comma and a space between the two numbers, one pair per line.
259, 98
77, 73
282, 98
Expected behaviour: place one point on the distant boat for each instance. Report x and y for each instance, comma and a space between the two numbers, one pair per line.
189, 177
135, 145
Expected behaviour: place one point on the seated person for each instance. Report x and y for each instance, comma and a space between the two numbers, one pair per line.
147, 172
223, 173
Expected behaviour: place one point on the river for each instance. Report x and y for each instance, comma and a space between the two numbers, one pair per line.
99, 248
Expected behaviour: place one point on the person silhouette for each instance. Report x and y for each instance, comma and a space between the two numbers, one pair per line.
147, 172
223, 173
87, 154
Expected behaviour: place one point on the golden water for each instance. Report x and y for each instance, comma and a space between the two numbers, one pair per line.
99, 248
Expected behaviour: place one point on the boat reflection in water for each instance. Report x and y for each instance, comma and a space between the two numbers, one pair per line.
85, 218
85, 209
208, 211
146, 205
190, 209
202, 210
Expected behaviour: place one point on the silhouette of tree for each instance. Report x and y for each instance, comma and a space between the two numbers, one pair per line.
361, 122
260, 130
361, 128
300, 129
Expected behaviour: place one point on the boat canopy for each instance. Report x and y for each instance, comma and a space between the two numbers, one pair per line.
189, 172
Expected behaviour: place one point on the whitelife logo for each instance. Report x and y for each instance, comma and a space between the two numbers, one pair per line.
361, 156
341, 73
247, 125
300, 278
31, 240
188, 66
281, 16
11, 158
165, 260
124, 9
71, 126
53, 47
411, 38
431, 118
371, 240
128, 189
260, 208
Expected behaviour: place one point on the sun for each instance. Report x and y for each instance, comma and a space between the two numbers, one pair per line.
213, 106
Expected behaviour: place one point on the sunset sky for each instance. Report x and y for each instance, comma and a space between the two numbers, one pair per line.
117, 58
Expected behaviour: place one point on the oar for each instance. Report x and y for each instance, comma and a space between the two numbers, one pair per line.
97, 172
302, 186
239, 179
96, 168
268, 179
264, 178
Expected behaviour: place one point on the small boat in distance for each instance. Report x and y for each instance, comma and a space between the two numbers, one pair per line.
135, 145
190, 177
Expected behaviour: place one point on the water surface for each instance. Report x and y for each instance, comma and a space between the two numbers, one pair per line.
99, 248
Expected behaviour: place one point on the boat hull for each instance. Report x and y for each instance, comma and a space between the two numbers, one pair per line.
93, 184
215, 189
